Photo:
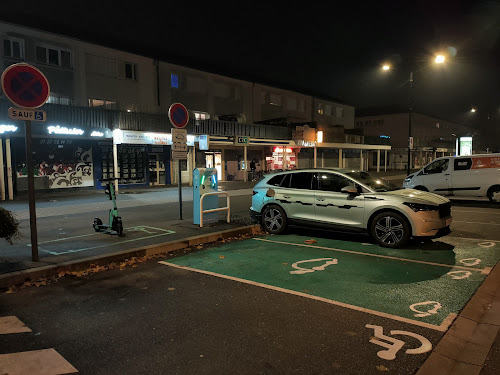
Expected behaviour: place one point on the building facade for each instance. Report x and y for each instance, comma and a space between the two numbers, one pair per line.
432, 137
96, 90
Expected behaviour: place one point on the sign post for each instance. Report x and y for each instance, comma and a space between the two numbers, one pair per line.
27, 87
179, 117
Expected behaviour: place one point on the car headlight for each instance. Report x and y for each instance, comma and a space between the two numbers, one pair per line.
421, 207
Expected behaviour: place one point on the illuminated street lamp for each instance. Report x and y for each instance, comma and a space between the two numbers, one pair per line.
439, 59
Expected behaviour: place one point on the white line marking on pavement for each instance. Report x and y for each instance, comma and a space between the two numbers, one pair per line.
36, 362
478, 212
10, 324
376, 255
167, 232
473, 222
442, 328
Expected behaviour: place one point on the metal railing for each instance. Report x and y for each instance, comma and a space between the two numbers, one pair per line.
227, 208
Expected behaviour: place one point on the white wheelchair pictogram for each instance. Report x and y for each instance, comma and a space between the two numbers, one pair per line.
394, 345
420, 314
301, 270
459, 275
471, 261
486, 244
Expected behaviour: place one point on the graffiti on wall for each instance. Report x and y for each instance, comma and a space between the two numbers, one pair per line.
64, 174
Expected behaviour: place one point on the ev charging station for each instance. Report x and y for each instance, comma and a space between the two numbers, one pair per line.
206, 197
205, 181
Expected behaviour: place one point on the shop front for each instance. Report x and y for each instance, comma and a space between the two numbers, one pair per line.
63, 157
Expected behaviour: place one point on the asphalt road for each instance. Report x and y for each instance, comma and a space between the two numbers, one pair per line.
156, 319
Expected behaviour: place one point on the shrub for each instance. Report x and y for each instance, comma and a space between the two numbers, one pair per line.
9, 226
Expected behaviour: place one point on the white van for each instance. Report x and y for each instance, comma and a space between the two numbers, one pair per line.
465, 176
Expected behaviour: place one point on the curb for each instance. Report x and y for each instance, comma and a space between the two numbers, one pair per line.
465, 346
19, 277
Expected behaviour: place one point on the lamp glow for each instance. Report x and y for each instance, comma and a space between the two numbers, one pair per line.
439, 59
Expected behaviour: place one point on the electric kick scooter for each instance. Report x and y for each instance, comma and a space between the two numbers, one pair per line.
115, 225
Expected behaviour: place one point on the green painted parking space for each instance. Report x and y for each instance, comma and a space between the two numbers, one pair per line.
426, 285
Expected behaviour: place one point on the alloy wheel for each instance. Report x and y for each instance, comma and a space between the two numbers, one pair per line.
273, 220
389, 230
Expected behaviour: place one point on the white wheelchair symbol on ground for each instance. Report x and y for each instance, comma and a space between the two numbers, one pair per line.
421, 314
394, 345
301, 270
459, 275
470, 261
486, 244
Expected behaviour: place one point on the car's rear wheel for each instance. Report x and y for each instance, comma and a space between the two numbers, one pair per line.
274, 219
494, 194
390, 229
422, 188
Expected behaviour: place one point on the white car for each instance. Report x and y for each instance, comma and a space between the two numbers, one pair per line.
348, 200
463, 176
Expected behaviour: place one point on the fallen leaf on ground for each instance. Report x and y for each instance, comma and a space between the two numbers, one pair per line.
221, 256
381, 368
310, 241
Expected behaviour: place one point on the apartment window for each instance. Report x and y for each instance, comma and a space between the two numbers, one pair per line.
221, 90
201, 116
339, 112
131, 71
53, 56
195, 84
301, 106
102, 103
328, 110
275, 99
321, 110
174, 81
59, 99
13, 47
291, 104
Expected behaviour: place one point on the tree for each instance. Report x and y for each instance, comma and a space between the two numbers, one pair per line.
9, 226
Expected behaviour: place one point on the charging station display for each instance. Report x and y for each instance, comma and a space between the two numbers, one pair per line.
205, 181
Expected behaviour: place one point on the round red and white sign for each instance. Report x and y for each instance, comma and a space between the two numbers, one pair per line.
25, 86
178, 115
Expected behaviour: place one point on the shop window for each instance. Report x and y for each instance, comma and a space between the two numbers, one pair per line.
13, 47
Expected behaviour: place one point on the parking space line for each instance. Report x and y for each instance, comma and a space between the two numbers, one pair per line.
478, 212
166, 232
484, 271
441, 328
473, 222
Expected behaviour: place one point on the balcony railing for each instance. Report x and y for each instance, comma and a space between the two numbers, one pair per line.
111, 119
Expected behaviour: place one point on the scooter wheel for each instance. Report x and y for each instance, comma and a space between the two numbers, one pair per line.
97, 223
119, 229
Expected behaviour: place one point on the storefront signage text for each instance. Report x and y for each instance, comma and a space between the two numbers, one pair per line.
63, 130
7, 128
95, 133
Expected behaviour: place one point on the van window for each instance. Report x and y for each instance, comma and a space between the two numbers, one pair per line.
302, 180
436, 166
462, 164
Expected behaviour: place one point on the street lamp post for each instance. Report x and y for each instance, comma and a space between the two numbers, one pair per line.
410, 109
438, 60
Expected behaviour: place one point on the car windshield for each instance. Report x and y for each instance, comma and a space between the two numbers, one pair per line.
375, 183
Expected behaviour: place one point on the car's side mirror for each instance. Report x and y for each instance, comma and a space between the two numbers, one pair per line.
350, 189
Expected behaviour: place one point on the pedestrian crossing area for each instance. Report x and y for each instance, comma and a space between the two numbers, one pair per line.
34, 362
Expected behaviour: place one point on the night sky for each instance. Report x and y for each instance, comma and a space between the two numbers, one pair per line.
331, 51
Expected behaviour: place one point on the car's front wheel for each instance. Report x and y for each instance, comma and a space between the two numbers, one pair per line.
390, 229
274, 219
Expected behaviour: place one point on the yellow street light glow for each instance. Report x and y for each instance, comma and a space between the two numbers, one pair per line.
439, 59
473, 110
386, 67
